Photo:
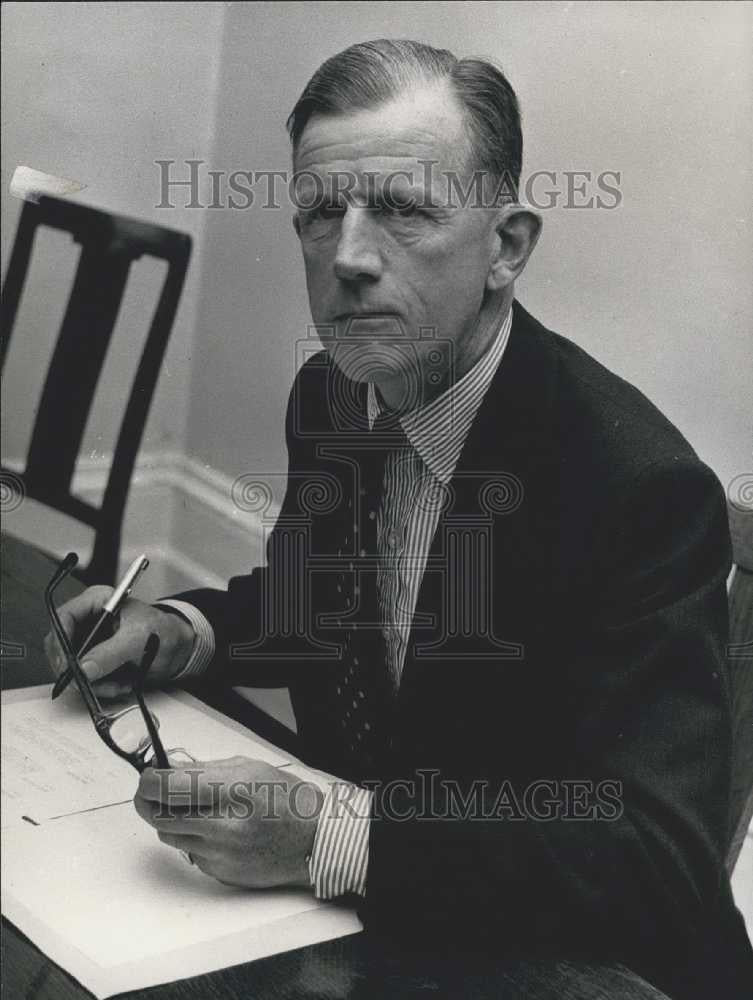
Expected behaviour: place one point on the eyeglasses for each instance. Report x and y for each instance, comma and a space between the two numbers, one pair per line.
133, 732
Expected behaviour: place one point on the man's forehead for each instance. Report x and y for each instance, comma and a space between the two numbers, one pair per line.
426, 122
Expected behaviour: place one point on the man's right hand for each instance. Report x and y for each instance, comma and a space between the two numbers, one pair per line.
136, 621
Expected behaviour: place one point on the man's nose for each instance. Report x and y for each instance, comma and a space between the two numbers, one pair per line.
358, 257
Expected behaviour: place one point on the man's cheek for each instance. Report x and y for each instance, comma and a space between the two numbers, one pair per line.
321, 299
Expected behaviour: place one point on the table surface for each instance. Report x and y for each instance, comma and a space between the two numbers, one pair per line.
359, 966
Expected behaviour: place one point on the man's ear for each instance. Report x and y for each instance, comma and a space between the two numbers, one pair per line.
517, 231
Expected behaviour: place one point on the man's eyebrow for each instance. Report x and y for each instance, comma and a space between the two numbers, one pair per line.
401, 186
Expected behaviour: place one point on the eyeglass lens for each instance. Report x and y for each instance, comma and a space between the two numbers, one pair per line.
128, 731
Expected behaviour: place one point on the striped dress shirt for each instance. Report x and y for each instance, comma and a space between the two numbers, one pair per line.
415, 480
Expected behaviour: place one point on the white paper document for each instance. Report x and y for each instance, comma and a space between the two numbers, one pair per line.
91, 884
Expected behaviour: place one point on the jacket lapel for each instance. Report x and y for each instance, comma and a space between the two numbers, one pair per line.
490, 512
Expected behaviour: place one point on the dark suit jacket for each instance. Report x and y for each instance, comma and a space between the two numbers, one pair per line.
587, 652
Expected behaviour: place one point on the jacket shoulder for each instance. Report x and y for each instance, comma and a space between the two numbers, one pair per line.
601, 417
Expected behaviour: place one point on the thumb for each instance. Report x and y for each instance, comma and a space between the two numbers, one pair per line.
93, 670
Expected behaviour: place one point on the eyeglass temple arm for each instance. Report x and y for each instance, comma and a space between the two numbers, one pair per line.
90, 700
150, 651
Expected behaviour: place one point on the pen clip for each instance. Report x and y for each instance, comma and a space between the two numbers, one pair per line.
126, 585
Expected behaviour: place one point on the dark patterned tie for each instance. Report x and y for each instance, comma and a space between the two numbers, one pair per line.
365, 693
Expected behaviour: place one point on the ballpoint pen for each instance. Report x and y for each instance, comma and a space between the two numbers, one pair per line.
109, 612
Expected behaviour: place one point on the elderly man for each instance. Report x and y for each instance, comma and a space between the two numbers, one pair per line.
496, 588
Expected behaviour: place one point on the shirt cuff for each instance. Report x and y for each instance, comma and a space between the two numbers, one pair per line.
340, 855
203, 647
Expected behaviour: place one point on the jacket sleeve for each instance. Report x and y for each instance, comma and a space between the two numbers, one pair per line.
650, 713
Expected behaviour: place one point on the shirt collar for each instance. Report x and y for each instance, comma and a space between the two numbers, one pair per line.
438, 430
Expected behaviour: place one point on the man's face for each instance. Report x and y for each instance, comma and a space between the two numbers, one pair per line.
390, 284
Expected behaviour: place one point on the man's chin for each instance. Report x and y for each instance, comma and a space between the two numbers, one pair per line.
384, 364
374, 361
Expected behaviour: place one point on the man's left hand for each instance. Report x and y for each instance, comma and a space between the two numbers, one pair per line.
242, 821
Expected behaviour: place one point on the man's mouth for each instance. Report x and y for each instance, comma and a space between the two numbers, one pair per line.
365, 314
366, 323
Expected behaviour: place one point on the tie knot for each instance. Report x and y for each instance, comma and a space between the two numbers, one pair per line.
387, 430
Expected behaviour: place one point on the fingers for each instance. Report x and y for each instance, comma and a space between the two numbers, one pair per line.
125, 645
195, 846
104, 658
136, 622
173, 821
186, 787
202, 855
199, 783
212, 811
75, 616
108, 690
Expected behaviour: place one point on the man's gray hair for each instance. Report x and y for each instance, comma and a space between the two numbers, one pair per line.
372, 73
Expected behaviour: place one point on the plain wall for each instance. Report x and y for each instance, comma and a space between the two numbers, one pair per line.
659, 289
96, 92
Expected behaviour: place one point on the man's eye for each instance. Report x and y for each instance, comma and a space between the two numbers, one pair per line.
402, 211
331, 212
320, 221
321, 213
